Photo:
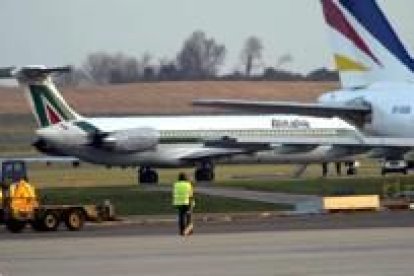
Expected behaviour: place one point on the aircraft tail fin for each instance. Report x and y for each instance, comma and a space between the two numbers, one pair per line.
366, 47
47, 104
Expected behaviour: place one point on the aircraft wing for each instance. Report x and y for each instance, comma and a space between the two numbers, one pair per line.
388, 147
356, 141
389, 142
355, 111
383, 146
211, 153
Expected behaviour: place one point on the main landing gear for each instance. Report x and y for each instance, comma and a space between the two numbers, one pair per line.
147, 175
204, 172
351, 168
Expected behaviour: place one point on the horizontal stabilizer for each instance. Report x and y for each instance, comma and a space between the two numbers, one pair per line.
31, 71
309, 109
48, 70
7, 72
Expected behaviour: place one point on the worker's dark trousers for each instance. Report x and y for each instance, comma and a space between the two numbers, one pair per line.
184, 217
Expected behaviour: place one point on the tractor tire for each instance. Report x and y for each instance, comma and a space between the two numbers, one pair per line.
15, 226
50, 221
74, 219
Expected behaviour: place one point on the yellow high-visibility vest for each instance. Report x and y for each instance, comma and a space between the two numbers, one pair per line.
182, 192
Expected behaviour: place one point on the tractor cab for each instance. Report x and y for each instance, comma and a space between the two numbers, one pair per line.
11, 171
17, 207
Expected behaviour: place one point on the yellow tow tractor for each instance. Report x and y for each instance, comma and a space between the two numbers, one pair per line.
18, 212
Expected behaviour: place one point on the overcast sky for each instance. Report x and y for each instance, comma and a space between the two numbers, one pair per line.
57, 32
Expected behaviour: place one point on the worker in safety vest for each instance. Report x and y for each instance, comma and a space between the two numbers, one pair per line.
183, 200
23, 196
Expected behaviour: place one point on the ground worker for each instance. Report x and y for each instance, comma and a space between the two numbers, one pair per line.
183, 200
23, 196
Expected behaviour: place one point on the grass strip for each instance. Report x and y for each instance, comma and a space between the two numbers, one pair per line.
328, 186
132, 200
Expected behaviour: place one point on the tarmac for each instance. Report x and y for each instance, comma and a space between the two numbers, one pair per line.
379, 243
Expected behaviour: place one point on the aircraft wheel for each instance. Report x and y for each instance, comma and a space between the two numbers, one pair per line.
141, 177
351, 171
152, 177
324, 169
203, 174
147, 176
198, 175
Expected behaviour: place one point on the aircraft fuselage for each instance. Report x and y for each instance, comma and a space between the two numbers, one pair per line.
392, 107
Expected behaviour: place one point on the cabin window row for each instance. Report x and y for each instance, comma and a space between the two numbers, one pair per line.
238, 133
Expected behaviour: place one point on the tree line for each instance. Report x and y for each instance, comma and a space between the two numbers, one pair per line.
200, 58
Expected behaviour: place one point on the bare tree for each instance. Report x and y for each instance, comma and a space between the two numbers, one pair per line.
323, 74
75, 77
200, 57
283, 59
168, 70
104, 68
251, 53
98, 67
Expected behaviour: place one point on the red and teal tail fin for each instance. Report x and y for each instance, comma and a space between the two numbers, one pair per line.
47, 104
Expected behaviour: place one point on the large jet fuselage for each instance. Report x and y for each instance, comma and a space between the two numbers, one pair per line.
182, 136
392, 107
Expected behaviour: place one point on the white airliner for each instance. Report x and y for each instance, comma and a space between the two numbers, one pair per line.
376, 71
176, 141
367, 51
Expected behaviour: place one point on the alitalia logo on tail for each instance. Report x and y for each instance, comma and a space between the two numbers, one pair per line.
48, 106
52, 114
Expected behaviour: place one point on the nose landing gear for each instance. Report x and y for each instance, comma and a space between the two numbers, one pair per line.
204, 172
147, 175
